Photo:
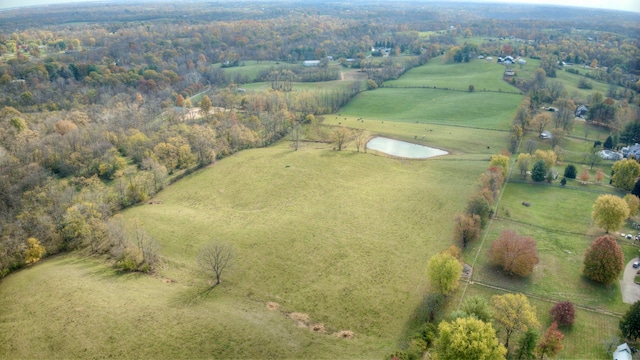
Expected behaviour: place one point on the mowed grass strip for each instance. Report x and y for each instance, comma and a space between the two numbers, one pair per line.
430, 106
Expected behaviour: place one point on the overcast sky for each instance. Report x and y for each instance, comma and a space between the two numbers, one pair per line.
626, 5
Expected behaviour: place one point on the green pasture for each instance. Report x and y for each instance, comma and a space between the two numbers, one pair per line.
429, 106
343, 237
559, 219
584, 340
482, 74
460, 142
90, 311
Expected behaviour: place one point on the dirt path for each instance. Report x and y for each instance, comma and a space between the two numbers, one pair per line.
630, 290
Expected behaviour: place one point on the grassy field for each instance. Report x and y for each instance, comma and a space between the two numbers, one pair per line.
342, 237
482, 74
430, 106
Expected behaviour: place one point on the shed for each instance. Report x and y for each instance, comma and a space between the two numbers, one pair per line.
623, 352
311, 63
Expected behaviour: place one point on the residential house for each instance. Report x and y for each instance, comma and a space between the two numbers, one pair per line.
311, 63
581, 111
631, 151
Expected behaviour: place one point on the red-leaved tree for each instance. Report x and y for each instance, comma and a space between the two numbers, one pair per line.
516, 254
551, 342
563, 313
603, 261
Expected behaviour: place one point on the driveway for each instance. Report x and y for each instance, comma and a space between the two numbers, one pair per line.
630, 290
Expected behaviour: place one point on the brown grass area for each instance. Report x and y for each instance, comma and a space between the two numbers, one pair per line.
345, 334
300, 319
273, 306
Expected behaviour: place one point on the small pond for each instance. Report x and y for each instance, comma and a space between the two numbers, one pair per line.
403, 149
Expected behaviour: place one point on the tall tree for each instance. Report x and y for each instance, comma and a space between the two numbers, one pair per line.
466, 228
604, 260
566, 113
468, 339
610, 212
514, 314
523, 161
479, 205
551, 342
501, 161
633, 203
630, 322
516, 254
479, 307
625, 174
539, 171
527, 345
444, 272
541, 121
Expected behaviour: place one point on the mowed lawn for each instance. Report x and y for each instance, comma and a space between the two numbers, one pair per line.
559, 219
343, 237
430, 106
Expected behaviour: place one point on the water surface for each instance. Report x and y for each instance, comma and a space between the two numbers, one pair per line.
403, 149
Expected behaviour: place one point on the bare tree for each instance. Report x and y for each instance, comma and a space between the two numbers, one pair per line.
360, 138
214, 257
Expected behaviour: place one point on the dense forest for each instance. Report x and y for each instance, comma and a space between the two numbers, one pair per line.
96, 101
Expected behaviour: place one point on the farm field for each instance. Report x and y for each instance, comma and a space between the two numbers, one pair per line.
482, 74
429, 106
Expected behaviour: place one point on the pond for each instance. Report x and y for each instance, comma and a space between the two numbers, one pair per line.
403, 149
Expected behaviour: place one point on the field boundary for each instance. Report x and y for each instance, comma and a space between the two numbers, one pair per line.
450, 89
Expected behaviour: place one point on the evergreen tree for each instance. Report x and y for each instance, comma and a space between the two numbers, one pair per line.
539, 171
570, 171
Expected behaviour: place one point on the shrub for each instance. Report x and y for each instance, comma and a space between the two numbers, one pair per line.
563, 313
570, 171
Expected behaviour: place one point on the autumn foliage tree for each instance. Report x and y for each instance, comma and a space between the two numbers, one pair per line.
610, 212
513, 313
444, 272
563, 313
517, 255
604, 260
468, 339
551, 342
584, 176
34, 251
633, 203
625, 173
466, 228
